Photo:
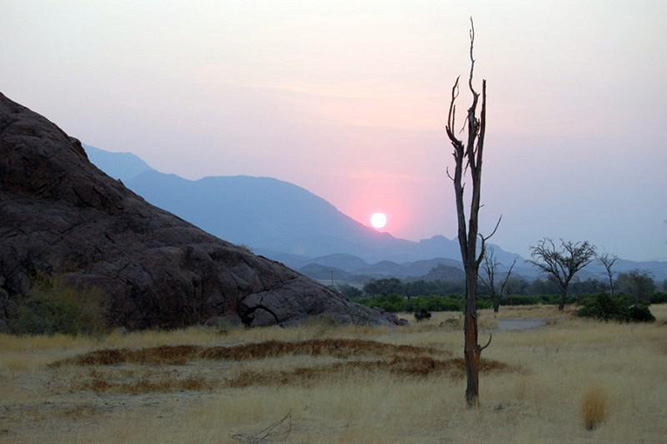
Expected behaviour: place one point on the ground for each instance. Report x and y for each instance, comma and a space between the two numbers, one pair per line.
325, 383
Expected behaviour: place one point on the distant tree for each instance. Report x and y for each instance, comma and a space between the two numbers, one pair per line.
517, 285
608, 261
420, 288
589, 286
544, 286
638, 284
384, 287
490, 268
562, 264
468, 162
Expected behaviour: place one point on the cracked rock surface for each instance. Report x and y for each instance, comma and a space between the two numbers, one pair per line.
60, 215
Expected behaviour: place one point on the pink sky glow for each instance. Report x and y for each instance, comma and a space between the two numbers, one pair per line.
348, 99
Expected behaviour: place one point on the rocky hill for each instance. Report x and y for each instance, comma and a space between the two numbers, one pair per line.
60, 215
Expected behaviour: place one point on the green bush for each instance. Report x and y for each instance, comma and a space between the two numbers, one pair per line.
397, 303
640, 313
659, 298
520, 300
51, 307
608, 308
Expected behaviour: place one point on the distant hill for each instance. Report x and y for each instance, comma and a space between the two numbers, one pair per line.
442, 272
123, 166
433, 269
290, 224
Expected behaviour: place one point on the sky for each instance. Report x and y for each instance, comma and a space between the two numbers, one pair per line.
349, 99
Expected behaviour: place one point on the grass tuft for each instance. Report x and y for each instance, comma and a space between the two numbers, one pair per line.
594, 407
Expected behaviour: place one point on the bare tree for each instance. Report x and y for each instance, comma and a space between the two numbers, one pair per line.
562, 265
468, 160
608, 261
490, 267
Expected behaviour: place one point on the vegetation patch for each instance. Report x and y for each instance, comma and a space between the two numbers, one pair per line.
51, 307
615, 308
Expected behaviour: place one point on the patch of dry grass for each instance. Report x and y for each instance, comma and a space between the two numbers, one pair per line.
594, 407
353, 395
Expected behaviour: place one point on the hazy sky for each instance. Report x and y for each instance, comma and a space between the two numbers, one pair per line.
349, 100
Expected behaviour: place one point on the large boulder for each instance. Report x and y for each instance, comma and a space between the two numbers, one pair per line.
60, 215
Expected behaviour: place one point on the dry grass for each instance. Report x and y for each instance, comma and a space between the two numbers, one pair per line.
366, 388
594, 407
181, 354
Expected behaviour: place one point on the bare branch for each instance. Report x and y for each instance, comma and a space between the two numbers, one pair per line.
495, 228
449, 175
487, 342
451, 119
485, 238
503, 286
472, 58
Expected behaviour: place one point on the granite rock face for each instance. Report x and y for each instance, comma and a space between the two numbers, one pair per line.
60, 215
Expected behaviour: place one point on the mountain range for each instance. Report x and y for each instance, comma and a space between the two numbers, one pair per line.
288, 223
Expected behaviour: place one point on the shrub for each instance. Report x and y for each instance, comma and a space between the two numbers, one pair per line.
520, 300
422, 314
52, 307
397, 303
659, 298
594, 407
640, 313
608, 308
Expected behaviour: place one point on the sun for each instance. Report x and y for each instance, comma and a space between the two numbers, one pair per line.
378, 220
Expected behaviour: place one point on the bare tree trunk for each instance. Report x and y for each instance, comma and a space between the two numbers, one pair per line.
472, 351
496, 305
468, 157
563, 297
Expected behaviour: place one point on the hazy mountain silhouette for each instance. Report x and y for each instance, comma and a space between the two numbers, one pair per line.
121, 166
266, 214
290, 224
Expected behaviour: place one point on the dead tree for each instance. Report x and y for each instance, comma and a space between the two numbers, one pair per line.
608, 261
490, 267
562, 265
468, 161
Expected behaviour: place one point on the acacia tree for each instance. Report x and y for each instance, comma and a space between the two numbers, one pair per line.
608, 261
562, 265
468, 161
490, 267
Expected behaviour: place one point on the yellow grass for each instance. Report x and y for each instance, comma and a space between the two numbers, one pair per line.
594, 407
540, 399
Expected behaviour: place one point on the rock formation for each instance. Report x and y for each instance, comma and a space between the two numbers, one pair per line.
60, 215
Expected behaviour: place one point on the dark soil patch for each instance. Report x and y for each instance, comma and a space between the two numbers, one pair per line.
163, 385
181, 354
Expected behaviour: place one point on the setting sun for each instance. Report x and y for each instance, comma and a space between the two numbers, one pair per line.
378, 220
